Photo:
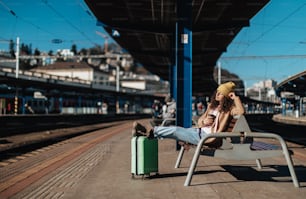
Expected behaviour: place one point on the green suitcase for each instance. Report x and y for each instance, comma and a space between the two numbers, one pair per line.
144, 156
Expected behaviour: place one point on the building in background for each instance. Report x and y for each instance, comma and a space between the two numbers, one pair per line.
263, 91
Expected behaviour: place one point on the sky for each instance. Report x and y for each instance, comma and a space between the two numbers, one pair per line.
38, 22
272, 47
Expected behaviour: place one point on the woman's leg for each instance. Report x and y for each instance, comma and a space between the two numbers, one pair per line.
190, 135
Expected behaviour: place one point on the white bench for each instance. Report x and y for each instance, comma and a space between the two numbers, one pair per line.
238, 144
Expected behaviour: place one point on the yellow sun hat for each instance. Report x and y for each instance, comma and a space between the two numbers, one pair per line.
226, 88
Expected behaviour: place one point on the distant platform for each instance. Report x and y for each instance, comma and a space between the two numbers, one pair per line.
290, 119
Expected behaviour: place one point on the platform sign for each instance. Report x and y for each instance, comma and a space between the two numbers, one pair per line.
184, 38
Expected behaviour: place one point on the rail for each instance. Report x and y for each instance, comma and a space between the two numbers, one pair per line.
48, 78
10, 72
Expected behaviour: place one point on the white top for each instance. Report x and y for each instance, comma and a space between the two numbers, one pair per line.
207, 129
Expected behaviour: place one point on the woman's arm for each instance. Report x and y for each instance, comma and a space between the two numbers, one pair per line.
238, 108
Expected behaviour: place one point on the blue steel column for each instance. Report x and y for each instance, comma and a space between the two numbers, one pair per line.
184, 63
173, 89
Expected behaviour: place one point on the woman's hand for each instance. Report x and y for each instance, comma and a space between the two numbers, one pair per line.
238, 106
206, 121
232, 95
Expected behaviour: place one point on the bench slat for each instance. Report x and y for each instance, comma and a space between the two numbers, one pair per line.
263, 146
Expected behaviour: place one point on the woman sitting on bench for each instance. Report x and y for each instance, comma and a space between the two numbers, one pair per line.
224, 105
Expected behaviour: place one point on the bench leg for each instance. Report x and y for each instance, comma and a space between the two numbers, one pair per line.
289, 160
258, 162
179, 158
194, 163
291, 168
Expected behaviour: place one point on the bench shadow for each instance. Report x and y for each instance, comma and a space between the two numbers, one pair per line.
266, 174
180, 174
269, 173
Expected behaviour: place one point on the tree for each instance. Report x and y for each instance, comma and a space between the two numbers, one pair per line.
96, 50
83, 51
74, 49
36, 52
25, 49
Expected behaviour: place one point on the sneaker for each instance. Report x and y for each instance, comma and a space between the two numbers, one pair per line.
138, 130
150, 134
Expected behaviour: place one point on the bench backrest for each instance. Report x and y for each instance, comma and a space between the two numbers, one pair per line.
237, 124
240, 125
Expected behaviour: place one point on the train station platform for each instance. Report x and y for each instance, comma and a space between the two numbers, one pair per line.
103, 171
290, 119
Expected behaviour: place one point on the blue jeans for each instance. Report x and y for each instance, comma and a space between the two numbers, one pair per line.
190, 135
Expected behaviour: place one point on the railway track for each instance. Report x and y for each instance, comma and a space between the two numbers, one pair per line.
23, 167
290, 132
29, 141
22, 124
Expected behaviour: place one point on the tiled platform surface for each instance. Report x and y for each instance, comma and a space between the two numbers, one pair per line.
104, 172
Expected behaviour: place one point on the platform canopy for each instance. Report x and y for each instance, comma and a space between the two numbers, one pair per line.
147, 32
295, 84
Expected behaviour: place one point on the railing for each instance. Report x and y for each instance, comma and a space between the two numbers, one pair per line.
44, 77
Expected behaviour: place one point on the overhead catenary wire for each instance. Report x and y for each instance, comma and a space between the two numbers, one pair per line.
39, 28
8, 9
249, 44
86, 10
263, 57
280, 22
24, 20
63, 17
